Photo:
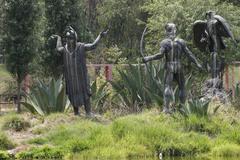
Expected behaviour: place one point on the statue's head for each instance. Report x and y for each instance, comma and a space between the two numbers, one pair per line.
171, 30
210, 14
71, 34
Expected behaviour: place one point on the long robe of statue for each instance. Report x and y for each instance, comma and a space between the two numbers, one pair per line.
75, 69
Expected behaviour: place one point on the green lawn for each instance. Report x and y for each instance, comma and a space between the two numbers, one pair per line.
136, 136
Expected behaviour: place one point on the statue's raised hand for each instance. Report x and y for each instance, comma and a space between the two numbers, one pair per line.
104, 33
144, 60
55, 36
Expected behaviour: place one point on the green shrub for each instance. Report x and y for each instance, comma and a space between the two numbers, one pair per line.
5, 143
232, 134
38, 141
226, 150
76, 146
46, 98
4, 155
45, 152
159, 137
203, 125
16, 123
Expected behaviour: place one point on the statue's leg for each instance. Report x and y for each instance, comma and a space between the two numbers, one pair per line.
87, 106
221, 71
168, 78
76, 110
214, 65
181, 84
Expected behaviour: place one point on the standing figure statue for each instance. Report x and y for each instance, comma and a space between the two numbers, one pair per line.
208, 35
174, 49
75, 69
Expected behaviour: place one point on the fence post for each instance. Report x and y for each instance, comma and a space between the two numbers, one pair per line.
227, 78
108, 72
233, 81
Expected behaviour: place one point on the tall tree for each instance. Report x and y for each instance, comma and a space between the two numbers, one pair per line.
124, 18
20, 19
59, 14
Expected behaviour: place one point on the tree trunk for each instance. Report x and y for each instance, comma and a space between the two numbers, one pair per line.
18, 97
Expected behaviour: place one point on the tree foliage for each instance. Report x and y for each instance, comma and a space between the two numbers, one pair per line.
19, 36
59, 14
125, 19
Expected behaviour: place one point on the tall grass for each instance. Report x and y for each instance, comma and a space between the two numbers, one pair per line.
144, 135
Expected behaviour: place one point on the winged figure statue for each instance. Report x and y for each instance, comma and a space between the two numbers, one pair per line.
208, 36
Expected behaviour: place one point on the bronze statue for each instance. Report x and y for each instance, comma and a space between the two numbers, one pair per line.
173, 49
75, 69
208, 35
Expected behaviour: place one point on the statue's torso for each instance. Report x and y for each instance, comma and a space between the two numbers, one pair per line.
173, 54
211, 27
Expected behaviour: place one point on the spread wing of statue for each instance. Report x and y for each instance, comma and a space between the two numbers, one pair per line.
202, 38
208, 37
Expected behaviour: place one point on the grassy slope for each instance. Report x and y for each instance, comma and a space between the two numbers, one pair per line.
3, 72
143, 135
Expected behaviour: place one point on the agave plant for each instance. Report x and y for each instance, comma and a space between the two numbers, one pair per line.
196, 107
46, 98
99, 95
139, 86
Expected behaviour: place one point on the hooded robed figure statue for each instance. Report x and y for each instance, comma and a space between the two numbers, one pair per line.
75, 68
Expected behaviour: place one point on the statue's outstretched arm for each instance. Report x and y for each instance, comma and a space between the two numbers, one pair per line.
156, 56
91, 46
192, 57
59, 45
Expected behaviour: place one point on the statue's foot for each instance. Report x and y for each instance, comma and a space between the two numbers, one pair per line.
77, 113
90, 115
166, 110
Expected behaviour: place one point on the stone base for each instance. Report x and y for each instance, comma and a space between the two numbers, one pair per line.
213, 90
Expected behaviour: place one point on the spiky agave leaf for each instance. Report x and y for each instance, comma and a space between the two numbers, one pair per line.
47, 98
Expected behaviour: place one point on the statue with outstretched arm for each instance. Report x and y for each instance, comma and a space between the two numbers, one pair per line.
75, 68
174, 50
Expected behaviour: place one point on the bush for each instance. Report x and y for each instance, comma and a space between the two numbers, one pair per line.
38, 141
76, 146
45, 152
16, 123
159, 137
226, 150
232, 134
4, 155
5, 143
203, 125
